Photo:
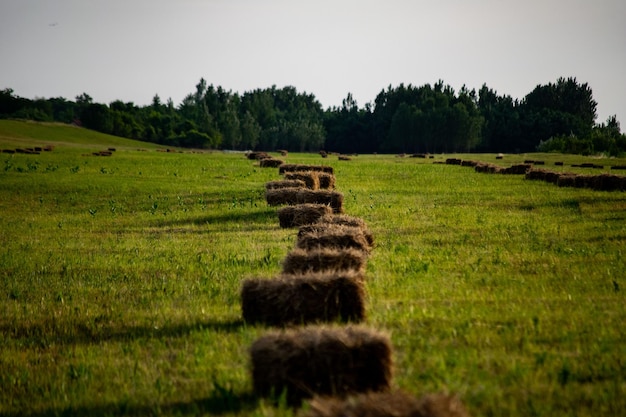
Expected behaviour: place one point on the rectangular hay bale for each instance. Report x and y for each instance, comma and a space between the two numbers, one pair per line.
302, 214
331, 198
311, 178
333, 236
300, 261
321, 360
304, 298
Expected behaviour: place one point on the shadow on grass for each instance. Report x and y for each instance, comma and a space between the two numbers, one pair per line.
222, 401
47, 332
252, 220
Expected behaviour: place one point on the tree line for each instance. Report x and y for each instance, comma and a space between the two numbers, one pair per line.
558, 117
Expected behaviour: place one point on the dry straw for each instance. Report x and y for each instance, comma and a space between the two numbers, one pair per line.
321, 360
293, 196
351, 221
302, 214
331, 198
272, 185
270, 162
300, 167
327, 181
300, 261
387, 404
281, 196
311, 178
333, 236
303, 299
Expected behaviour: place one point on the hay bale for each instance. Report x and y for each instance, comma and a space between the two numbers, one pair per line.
257, 155
302, 214
300, 167
324, 154
310, 178
607, 182
304, 298
326, 180
453, 161
301, 261
282, 196
273, 185
518, 169
270, 163
333, 236
332, 198
387, 404
321, 360
320, 228
344, 158
351, 221
566, 180
465, 163
283, 152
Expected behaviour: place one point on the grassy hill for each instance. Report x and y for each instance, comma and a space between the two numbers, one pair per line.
20, 133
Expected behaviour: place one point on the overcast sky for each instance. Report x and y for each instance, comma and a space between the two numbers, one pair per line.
133, 49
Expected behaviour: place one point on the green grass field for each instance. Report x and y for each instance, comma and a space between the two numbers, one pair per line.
120, 277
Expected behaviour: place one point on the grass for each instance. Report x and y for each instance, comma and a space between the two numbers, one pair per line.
120, 278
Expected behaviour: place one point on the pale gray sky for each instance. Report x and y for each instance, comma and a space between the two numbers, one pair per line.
133, 49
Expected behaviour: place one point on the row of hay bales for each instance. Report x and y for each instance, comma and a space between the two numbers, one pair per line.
599, 182
322, 350
36, 150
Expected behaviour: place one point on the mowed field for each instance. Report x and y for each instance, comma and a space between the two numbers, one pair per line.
120, 279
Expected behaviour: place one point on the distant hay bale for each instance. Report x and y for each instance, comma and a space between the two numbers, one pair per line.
327, 181
344, 158
321, 360
607, 182
301, 261
618, 167
304, 299
558, 163
283, 152
332, 198
273, 185
582, 181
270, 163
387, 404
419, 155
302, 214
469, 163
281, 196
300, 167
324, 154
518, 169
257, 155
453, 161
566, 181
333, 236
311, 178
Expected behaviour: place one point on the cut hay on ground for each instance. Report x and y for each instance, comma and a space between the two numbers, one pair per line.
321, 360
304, 299
387, 404
270, 163
333, 236
300, 167
302, 214
273, 185
311, 178
301, 261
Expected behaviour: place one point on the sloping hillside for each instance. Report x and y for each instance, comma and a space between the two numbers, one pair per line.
18, 133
